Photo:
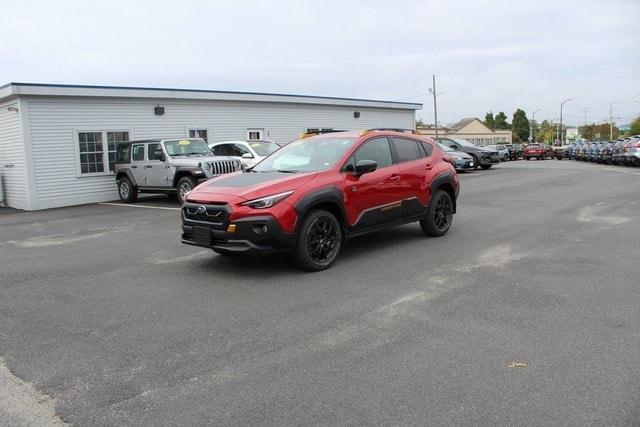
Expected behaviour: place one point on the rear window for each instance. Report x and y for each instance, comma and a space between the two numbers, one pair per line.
407, 149
124, 153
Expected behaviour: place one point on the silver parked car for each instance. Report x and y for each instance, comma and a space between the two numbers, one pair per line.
172, 166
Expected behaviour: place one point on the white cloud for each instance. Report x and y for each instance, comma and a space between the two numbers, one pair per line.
488, 55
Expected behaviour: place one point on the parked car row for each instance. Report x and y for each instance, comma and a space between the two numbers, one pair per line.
623, 151
466, 156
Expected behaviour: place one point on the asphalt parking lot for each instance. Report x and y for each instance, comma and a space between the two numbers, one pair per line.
112, 321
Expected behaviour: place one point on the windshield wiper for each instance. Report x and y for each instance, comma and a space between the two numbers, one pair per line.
286, 171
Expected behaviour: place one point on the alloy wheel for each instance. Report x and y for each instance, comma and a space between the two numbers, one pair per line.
443, 213
323, 240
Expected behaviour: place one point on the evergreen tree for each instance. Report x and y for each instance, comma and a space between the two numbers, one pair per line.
501, 121
520, 125
489, 120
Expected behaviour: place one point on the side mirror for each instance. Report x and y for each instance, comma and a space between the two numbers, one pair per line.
158, 154
247, 156
365, 166
455, 147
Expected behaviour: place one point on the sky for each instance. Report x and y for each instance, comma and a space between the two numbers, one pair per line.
486, 55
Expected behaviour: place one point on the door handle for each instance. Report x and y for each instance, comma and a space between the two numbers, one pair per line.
428, 166
394, 178
134, 167
148, 166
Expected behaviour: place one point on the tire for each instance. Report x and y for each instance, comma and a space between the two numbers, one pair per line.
185, 184
527, 158
127, 192
485, 167
439, 215
319, 241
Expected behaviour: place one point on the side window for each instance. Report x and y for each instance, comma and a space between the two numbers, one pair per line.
223, 150
239, 150
407, 149
124, 153
138, 152
428, 149
152, 150
376, 149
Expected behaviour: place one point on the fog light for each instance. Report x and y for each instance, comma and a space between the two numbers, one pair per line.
231, 228
260, 229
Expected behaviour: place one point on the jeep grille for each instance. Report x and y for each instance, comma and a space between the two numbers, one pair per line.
220, 167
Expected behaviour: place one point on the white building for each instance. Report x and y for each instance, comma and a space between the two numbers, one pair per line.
56, 141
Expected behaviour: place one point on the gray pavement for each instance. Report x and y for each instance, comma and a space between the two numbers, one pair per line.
105, 313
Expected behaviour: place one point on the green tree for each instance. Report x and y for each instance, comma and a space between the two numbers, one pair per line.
489, 120
520, 125
634, 129
546, 132
501, 121
419, 123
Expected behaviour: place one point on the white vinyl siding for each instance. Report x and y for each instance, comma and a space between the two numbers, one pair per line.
55, 123
12, 157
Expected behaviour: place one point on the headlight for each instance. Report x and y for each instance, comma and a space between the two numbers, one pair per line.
267, 202
206, 166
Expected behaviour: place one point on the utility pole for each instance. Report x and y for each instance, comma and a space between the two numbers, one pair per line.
610, 121
435, 105
533, 128
562, 105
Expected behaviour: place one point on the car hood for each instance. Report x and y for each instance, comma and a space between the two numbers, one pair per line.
195, 160
251, 185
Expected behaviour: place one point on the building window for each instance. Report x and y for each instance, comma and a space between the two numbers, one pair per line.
199, 133
97, 150
255, 134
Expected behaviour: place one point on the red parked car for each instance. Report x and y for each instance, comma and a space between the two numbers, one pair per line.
315, 193
535, 151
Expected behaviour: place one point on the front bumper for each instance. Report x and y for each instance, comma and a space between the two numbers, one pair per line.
489, 159
464, 164
252, 235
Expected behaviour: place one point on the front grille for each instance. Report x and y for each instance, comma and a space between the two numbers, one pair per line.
221, 167
217, 215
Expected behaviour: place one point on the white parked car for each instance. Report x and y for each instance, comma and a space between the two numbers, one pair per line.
248, 152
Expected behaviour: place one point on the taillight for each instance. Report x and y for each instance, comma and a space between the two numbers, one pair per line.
638, 144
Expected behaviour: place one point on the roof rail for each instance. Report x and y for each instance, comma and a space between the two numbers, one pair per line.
318, 132
413, 131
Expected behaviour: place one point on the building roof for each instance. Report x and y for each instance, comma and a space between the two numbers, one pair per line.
462, 123
13, 90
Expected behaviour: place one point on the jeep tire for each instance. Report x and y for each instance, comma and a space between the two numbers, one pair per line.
439, 215
127, 192
185, 184
319, 241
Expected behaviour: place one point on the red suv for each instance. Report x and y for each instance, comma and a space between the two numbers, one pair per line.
313, 194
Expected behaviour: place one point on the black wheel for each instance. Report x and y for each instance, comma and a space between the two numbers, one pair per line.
127, 192
540, 158
527, 158
485, 167
319, 241
439, 216
185, 184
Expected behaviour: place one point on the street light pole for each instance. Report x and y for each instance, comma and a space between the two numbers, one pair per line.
533, 128
562, 105
435, 105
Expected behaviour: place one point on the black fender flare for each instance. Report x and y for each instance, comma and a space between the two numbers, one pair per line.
331, 195
127, 172
445, 179
193, 171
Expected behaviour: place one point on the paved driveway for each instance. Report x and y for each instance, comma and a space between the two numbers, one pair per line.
102, 310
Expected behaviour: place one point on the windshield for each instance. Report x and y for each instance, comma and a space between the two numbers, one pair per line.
445, 148
306, 155
187, 147
263, 148
464, 143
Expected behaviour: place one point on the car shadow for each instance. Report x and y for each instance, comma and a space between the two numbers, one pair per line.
353, 252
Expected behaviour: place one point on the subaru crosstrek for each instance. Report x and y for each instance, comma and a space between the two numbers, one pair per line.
315, 193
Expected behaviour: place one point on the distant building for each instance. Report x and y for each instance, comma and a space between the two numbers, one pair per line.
572, 134
471, 129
